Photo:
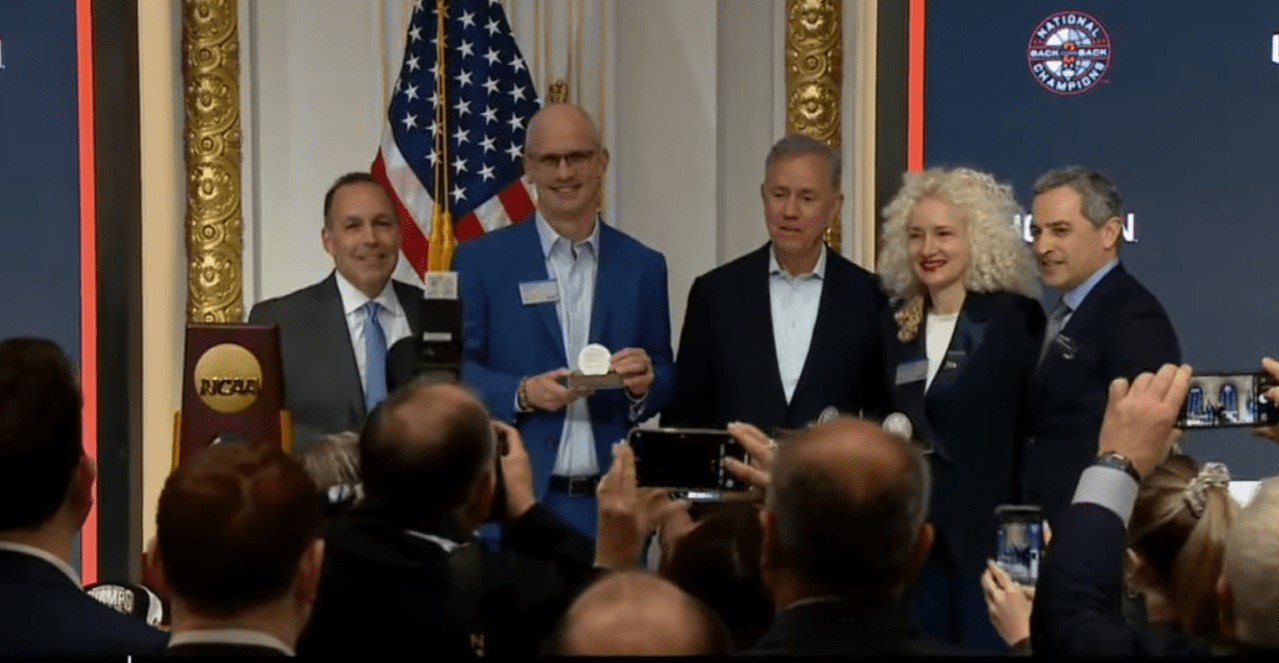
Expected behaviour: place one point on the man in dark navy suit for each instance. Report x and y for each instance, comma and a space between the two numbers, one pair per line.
779, 335
46, 491
1106, 326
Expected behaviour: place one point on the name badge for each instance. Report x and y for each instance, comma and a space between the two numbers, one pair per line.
912, 371
539, 292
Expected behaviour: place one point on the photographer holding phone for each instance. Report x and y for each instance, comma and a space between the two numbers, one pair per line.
394, 565
1172, 515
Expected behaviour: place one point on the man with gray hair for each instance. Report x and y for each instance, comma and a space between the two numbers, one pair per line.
786, 332
844, 535
1106, 326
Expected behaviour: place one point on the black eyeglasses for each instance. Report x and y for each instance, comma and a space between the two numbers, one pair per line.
575, 159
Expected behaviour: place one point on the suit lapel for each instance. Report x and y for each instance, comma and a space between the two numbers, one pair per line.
758, 319
909, 396
970, 331
530, 267
606, 282
832, 292
332, 331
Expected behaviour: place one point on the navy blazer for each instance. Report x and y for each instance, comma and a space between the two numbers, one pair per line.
971, 414
1119, 330
727, 366
506, 340
1076, 611
43, 613
322, 387
842, 627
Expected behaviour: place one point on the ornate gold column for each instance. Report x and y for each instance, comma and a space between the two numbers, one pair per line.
214, 223
814, 75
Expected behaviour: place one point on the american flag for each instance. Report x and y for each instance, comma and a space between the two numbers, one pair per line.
489, 95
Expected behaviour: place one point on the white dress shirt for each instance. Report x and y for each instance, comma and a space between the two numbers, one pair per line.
45, 555
395, 324
564, 261
794, 301
230, 636
940, 329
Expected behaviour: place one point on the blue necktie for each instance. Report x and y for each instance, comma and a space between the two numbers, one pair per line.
374, 358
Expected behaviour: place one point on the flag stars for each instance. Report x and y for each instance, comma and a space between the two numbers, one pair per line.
411, 92
458, 194
487, 172
492, 27
468, 49
412, 64
463, 107
415, 33
463, 78
410, 121
513, 151
461, 136
492, 56
517, 93
468, 19
487, 144
516, 122
433, 157
490, 86
490, 115
434, 98
518, 63
433, 127
459, 165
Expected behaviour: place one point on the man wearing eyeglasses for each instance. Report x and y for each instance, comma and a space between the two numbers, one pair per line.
536, 293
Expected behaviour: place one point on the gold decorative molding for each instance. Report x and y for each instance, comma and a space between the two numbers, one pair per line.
814, 76
557, 91
214, 222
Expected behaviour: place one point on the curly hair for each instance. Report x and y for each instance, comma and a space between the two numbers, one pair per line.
999, 259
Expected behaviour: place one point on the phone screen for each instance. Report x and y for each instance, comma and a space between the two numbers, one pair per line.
670, 458
1222, 400
1019, 542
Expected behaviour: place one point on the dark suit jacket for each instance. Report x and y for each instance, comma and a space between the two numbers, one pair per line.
42, 613
1120, 330
321, 380
727, 365
1076, 610
385, 592
971, 414
840, 628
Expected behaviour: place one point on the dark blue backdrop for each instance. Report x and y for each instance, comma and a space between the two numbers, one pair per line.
1186, 121
39, 174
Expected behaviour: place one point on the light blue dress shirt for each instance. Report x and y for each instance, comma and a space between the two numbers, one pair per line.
1076, 295
794, 301
573, 265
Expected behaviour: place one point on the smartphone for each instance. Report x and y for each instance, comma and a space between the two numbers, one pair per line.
1019, 542
1226, 400
497, 512
682, 458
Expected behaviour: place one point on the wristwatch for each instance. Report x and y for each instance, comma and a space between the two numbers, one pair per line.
1118, 461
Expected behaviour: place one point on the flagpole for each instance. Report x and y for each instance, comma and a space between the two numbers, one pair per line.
440, 244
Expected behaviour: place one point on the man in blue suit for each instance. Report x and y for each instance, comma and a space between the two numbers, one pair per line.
46, 491
537, 292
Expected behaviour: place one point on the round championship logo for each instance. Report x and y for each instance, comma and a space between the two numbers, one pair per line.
1069, 52
228, 378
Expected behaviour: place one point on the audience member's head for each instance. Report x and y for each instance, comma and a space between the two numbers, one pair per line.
427, 455
1249, 587
361, 231
637, 613
333, 463
1176, 540
46, 481
845, 515
238, 533
717, 562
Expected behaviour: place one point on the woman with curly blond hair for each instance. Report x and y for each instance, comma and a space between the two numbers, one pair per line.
960, 347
